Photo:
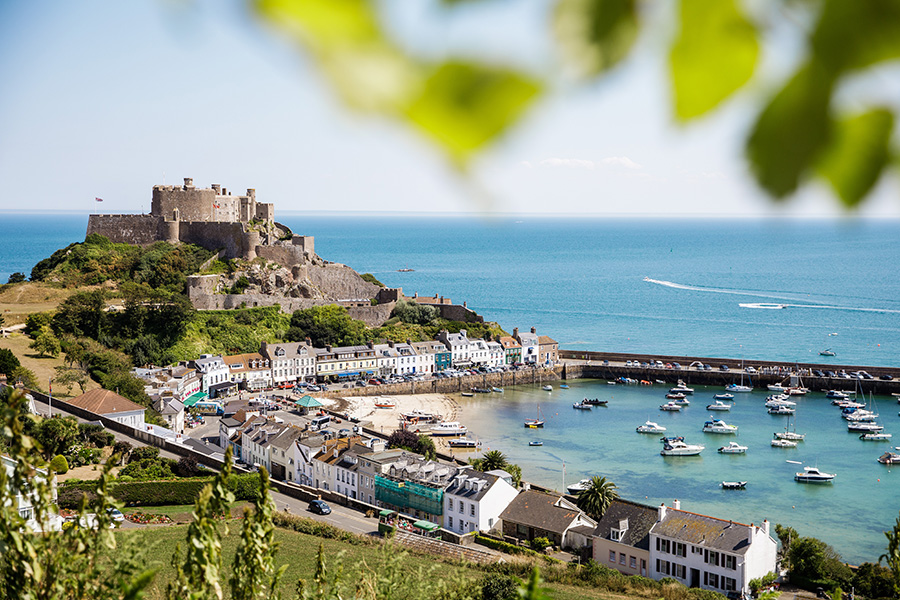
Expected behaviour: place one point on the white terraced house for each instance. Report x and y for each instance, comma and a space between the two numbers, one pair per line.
214, 374
709, 553
473, 501
460, 347
290, 361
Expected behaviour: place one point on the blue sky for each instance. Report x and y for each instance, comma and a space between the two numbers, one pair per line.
107, 98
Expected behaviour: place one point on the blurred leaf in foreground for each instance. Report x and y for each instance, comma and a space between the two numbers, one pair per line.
594, 35
715, 54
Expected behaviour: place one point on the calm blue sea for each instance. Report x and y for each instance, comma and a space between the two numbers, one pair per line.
670, 287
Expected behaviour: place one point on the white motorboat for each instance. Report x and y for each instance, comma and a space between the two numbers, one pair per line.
848, 404
813, 475
682, 401
577, 488
677, 448
734, 485
778, 443
581, 406
836, 395
875, 436
650, 427
718, 405
725, 396
681, 388
780, 400
732, 448
864, 426
675, 396
860, 414
775, 387
718, 426
463, 443
796, 391
889, 458
781, 410
547, 388
447, 428
738, 388
670, 406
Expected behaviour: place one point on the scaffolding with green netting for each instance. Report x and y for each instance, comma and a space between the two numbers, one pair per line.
407, 495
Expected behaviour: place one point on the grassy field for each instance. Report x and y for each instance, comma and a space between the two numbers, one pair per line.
19, 300
299, 551
41, 367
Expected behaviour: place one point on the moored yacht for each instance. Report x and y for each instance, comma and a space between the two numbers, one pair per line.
725, 396
779, 443
718, 426
836, 395
677, 448
813, 475
681, 388
781, 410
875, 436
864, 426
650, 427
732, 448
449, 428
718, 405
577, 488
670, 406
738, 388
889, 458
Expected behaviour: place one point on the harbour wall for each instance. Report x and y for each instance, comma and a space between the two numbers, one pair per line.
589, 365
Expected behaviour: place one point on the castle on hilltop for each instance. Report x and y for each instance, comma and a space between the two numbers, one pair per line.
209, 217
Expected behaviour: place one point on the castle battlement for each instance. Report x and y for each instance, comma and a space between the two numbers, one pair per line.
209, 217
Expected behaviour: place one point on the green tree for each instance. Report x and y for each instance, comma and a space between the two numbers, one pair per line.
16, 277
493, 460
414, 313
82, 314
69, 376
126, 385
26, 377
813, 559
328, 325
8, 362
596, 498
35, 322
874, 581
785, 535
892, 556
46, 344
57, 435
59, 464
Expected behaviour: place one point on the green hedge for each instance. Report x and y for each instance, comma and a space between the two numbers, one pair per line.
505, 546
157, 493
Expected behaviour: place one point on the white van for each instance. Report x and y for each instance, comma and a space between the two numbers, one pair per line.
319, 422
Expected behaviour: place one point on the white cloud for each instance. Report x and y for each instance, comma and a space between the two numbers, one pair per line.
621, 161
571, 163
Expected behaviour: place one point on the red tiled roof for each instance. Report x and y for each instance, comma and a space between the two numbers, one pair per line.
104, 402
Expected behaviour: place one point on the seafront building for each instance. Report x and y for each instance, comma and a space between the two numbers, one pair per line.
530, 345
473, 501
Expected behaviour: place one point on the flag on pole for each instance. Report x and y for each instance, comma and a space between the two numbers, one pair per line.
98, 199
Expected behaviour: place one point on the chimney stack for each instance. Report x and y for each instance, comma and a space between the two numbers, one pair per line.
677, 504
515, 332
533, 330
662, 511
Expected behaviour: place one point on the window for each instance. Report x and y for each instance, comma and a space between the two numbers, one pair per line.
612, 556
729, 584
621, 559
490, 522
450, 504
679, 571
615, 535
662, 567
462, 507
710, 579
472, 509
632, 562
450, 522
663, 545
679, 549
643, 567
730, 562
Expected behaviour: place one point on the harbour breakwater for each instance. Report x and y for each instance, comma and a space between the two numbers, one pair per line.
592, 365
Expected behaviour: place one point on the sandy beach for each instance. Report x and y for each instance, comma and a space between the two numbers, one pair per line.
387, 419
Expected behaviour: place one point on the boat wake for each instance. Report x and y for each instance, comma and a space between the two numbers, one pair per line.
768, 295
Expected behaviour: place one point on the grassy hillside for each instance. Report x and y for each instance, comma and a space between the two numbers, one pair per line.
298, 551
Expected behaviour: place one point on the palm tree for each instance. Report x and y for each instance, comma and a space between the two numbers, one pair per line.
493, 460
596, 498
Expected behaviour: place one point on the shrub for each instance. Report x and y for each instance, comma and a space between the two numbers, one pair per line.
143, 452
319, 529
539, 543
499, 587
244, 486
59, 464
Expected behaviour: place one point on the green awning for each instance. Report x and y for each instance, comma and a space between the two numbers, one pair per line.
385, 512
195, 398
426, 525
308, 402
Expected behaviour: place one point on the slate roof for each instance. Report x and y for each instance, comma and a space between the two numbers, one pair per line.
104, 402
543, 340
701, 530
537, 509
457, 486
641, 519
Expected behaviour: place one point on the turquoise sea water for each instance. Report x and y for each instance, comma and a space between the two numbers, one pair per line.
583, 283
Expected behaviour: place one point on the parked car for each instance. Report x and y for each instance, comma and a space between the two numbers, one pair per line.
723, 367
818, 373
750, 370
676, 366
886, 378
829, 374
116, 515
319, 507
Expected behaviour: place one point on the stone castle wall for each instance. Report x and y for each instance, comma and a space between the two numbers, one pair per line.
227, 236
341, 281
141, 230
284, 254
457, 312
